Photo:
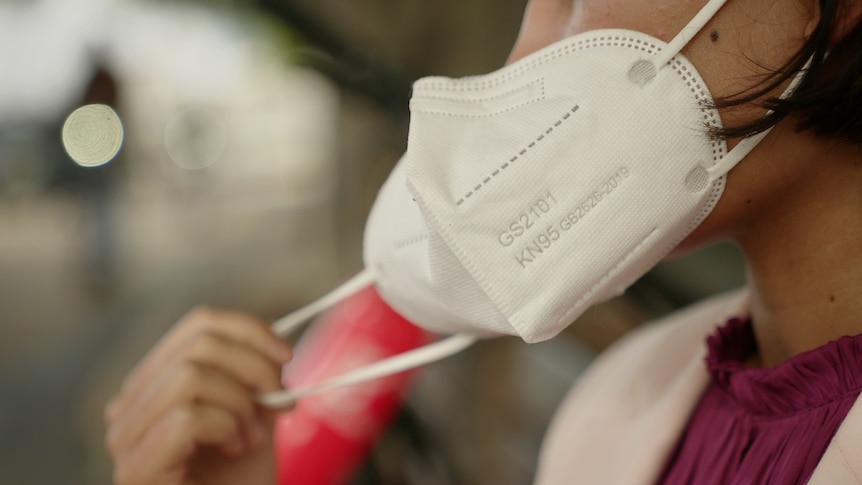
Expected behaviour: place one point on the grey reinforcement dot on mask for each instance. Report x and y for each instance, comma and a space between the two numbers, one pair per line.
642, 72
697, 180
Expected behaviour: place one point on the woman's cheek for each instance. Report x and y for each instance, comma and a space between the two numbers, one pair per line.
545, 22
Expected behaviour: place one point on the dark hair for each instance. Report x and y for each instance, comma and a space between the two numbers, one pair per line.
828, 100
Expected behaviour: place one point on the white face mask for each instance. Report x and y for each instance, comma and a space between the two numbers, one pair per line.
530, 194
547, 186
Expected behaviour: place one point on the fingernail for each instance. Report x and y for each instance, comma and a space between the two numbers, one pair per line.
258, 433
236, 447
286, 354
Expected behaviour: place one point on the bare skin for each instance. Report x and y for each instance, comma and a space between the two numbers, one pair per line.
186, 415
802, 247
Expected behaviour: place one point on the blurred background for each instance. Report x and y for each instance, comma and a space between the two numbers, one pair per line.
256, 134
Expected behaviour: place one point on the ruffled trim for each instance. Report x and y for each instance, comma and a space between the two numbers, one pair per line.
806, 381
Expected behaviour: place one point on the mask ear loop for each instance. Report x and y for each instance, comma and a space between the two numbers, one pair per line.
695, 25
386, 367
287, 325
746, 145
662, 59
284, 327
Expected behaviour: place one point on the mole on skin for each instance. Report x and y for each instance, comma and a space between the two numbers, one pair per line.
714, 35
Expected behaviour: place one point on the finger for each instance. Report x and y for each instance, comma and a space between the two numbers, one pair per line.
256, 371
229, 327
163, 455
240, 328
250, 368
110, 411
190, 383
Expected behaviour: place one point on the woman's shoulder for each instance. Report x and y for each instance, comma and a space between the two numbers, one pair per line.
656, 350
626, 411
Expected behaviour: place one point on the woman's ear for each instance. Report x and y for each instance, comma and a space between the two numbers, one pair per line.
848, 17
812, 10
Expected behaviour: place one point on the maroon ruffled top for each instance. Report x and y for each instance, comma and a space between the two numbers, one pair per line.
766, 425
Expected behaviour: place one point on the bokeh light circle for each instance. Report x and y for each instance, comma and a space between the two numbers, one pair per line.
93, 135
195, 138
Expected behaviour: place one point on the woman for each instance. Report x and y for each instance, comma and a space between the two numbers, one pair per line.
779, 380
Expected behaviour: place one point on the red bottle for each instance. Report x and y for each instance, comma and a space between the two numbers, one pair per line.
325, 439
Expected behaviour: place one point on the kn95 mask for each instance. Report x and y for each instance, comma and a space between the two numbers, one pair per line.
529, 194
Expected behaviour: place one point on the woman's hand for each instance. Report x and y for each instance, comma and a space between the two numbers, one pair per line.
185, 415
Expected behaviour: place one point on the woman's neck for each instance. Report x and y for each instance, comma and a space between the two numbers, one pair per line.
804, 252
